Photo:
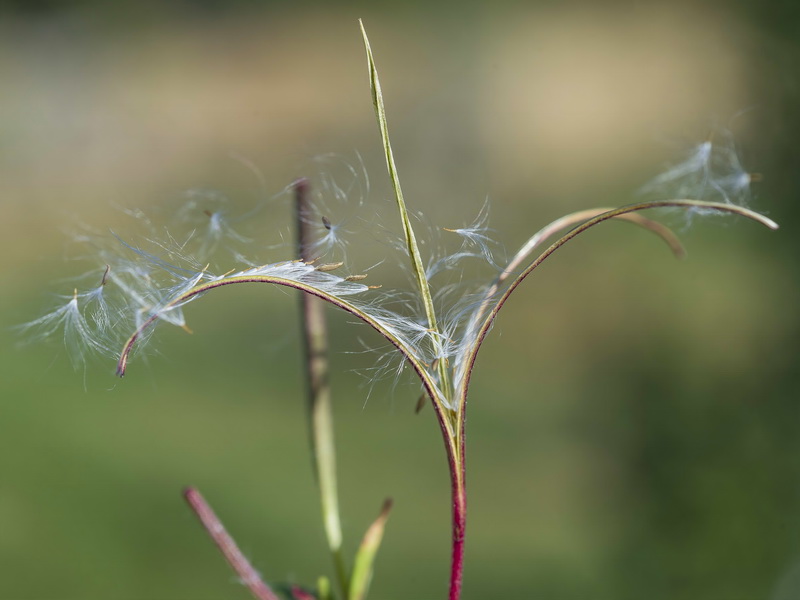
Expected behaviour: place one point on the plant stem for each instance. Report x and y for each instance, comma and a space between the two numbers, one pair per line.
247, 574
320, 412
456, 458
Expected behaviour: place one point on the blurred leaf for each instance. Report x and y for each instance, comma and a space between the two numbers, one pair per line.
362, 569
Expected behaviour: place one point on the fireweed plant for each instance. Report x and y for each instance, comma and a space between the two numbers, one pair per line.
139, 286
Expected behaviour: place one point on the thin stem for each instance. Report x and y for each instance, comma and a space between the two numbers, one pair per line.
320, 412
211, 523
456, 457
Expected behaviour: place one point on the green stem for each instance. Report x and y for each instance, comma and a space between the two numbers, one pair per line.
320, 409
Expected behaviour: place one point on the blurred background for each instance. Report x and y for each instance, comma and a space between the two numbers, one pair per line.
634, 419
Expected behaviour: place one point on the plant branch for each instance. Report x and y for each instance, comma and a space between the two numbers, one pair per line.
428, 384
537, 239
469, 359
213, 526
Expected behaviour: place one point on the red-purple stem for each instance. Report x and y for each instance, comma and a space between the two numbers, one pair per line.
247, 574
299, 593
459, 499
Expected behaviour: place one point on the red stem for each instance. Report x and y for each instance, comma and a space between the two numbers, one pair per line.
299, 593
459, 498
454, 442
247, 574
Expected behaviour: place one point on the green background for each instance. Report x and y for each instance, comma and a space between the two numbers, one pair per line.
633, 427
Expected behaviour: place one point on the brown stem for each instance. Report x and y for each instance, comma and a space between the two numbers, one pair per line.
247, 574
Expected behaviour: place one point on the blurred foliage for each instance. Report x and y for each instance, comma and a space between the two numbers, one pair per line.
633, 424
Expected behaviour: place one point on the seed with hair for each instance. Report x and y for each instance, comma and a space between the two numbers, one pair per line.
355, 277
326, 222
329, 267
104, 280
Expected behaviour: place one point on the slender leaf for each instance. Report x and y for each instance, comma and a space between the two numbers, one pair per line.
408, 231
365, 557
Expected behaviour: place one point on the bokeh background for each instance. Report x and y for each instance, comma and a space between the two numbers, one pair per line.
634, 425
